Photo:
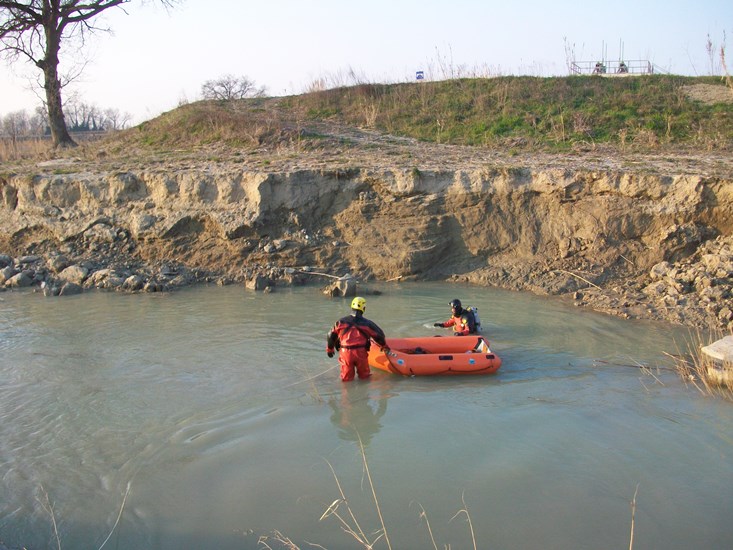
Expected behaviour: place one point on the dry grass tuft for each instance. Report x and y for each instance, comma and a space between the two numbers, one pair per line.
348, 520
708, 376
19, 149
281, 541
633, 517
47, 506
464, 511
341, 510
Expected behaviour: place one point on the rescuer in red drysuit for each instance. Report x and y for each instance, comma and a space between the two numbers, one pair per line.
462, 320
352, 336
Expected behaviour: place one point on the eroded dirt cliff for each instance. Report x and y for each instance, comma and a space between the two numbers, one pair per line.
625, 234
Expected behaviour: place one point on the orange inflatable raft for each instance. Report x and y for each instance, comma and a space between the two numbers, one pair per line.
435, 356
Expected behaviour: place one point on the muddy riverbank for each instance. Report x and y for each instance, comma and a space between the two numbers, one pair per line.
638, 236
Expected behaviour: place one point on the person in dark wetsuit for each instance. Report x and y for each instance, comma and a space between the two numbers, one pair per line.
352, 335
462, 320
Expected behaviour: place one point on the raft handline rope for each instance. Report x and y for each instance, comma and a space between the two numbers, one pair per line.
391, 364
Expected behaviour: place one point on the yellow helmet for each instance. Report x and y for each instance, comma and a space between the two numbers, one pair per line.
358, 304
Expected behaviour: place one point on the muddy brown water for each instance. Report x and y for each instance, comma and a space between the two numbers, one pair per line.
211, 417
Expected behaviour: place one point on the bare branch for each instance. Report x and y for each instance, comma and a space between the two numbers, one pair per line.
229, 87
36, 30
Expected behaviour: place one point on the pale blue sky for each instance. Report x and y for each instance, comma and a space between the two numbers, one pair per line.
156, 59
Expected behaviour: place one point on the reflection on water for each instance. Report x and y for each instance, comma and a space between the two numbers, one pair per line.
220, 409
358, 412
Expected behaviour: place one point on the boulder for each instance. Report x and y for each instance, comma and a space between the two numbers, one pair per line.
6, 273
660, 270
258, 282
50, 289
58, 263
133, 282
19, 280
101, 233
69, 289
74, 274
25, 260
342, 287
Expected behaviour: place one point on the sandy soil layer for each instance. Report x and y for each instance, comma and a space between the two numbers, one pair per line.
633, 235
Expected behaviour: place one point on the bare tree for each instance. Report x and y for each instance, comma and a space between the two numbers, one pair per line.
39, 122
35, 29
114, 120
231, 87
86, 117
80, 117
15, 124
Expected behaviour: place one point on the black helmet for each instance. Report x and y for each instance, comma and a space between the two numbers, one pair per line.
456, 304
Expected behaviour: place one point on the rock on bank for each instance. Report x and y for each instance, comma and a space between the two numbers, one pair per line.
630, 243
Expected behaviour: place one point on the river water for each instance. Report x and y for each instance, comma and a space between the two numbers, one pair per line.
211, 417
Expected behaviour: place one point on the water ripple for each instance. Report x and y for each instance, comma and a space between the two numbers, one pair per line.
218, 406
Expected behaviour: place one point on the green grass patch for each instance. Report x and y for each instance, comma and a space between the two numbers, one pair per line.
550, 113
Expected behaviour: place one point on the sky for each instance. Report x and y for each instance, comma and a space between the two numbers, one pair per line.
156, 59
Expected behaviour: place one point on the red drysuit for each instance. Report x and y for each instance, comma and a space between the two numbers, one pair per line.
351, 335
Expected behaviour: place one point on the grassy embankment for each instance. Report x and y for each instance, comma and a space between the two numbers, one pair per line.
550, 113
518, 113
514, 113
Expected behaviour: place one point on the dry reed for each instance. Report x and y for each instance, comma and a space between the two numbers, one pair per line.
464, 511
119, 515
19, 149
710, 377
633, 517
47, 506
350, 524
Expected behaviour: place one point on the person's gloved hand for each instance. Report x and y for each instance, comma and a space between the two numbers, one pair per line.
438, 325
329, 352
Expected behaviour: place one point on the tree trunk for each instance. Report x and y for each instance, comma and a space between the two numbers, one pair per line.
59, 132
52, 85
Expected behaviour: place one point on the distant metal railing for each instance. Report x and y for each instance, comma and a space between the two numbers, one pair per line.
612, 68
